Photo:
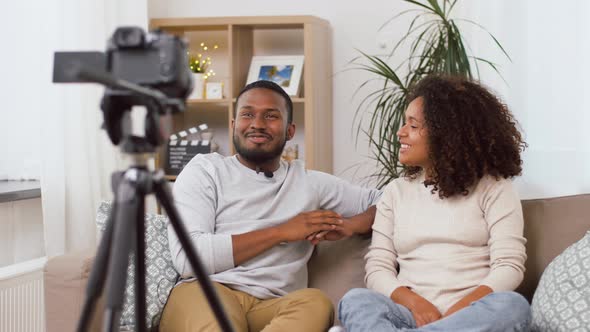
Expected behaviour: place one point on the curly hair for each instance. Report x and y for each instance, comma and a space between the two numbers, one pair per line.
471, 133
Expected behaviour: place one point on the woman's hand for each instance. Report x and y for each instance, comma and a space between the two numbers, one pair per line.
345, 231
359, 224
477, 294
423, 311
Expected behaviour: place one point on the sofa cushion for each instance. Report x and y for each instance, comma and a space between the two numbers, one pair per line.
160, 273
562, 299
336, 267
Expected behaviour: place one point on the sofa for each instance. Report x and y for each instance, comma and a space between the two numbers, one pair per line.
551, 225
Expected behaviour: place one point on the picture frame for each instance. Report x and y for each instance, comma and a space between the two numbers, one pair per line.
285, 70
214, 90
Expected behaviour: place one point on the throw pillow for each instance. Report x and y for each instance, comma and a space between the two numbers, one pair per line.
160, 273
562, 299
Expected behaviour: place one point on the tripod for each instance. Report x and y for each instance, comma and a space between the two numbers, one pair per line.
125, 228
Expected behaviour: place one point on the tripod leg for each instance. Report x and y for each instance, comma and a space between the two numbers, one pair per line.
140, 298
164, 197
125, 217
97, 275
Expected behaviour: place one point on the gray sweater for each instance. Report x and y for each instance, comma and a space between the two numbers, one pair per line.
217, 196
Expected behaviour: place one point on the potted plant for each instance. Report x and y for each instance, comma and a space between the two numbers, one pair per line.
199, 64
437, 45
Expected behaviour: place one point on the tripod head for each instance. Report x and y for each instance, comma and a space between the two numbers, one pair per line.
138, 70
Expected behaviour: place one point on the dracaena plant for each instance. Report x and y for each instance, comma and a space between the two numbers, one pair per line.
436, 46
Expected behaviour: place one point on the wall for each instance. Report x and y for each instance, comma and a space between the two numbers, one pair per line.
547, 85
544, 86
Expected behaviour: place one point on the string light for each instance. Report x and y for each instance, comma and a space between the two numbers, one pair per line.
201, 63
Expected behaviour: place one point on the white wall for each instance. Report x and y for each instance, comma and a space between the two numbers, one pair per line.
546, 84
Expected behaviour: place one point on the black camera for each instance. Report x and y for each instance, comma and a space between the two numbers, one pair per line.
156, 59
137, 69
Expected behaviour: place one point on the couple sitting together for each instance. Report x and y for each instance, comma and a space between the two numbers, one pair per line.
447, 245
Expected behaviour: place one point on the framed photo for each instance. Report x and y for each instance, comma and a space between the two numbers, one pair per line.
285, 70
214, 90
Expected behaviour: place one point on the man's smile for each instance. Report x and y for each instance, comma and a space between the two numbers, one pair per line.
258, 138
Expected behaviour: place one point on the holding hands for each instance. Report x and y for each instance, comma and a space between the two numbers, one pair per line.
307, 224
359, 224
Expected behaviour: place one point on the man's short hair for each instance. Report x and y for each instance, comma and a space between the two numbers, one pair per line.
269, 85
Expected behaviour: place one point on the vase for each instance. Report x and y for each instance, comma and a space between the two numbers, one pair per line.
198, 86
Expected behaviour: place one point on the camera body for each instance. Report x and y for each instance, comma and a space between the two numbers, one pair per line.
156, 59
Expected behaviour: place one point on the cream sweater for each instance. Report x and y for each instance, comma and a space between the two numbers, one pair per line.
445, 248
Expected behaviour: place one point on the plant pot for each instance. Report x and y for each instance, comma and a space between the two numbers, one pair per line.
198, 86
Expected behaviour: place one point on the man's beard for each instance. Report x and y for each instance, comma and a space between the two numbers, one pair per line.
258, 156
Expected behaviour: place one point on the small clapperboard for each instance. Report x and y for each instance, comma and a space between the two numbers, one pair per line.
180, 150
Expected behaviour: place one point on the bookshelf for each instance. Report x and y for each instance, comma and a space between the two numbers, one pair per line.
238, 40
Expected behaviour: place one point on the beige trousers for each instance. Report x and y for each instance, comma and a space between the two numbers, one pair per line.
307, 310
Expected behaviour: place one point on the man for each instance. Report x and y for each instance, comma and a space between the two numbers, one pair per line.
254, 220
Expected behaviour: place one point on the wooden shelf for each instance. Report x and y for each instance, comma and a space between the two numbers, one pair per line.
295, 100
170, 177
207, 101
205, 23
241, 38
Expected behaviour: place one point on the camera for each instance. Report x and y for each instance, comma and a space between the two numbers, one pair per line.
156, 59
150, 70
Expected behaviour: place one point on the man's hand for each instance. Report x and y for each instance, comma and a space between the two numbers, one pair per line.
423, 311
308, 223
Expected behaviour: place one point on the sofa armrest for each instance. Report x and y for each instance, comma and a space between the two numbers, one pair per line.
65, 278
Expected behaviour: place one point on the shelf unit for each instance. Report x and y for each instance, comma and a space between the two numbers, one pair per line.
241, 38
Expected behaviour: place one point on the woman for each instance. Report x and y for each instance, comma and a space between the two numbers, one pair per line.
448, 247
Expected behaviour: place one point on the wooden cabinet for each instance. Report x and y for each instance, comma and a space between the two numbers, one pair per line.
238, 40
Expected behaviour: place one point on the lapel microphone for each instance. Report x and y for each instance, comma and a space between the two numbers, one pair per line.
268, 174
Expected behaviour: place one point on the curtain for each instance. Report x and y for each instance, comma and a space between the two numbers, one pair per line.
77, 157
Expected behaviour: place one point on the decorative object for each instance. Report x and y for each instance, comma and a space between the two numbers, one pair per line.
198, 86
160, 277
183, 146
214, 90
199, 64
285, 70
290, 153
562, 299
437, 46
